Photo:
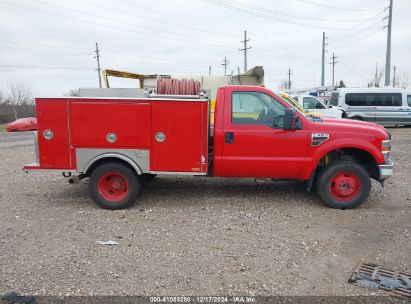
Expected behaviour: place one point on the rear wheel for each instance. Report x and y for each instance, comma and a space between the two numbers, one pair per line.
344, 185
114, 186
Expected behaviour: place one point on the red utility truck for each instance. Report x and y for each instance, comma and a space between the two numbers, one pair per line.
119, 143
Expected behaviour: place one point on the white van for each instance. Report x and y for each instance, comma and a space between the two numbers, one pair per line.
313, 104
385, 106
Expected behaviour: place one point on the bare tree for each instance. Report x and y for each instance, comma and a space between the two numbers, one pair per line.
376, 81
283, 86
18, 94
72, 93
17, 102
402, 80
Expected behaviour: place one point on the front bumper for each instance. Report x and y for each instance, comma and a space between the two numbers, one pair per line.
386, 170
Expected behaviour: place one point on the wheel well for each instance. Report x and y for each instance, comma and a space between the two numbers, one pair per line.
362, 157
357, 118
106, 160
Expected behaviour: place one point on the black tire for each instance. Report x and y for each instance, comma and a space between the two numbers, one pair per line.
114, 186
338, 179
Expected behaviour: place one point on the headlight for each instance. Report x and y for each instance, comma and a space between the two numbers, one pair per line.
386, 146
386, 149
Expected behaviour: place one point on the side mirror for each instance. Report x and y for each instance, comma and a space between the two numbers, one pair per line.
290, 119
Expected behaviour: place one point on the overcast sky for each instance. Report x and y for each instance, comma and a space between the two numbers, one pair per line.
48, 45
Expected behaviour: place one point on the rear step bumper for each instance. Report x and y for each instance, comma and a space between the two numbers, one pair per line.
36, 167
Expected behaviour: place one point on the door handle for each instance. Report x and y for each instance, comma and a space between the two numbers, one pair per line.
229, 137
401, 109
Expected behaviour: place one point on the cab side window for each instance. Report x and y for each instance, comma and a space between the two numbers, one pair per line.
409, 100
309, 103
255, 108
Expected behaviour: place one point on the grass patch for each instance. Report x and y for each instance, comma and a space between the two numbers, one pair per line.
3, 127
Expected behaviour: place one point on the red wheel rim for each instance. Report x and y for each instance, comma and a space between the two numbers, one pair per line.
113, 186
345, 186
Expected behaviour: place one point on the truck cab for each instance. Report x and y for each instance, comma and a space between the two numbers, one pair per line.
119, 144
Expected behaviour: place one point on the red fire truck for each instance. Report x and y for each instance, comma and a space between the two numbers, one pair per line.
119, 143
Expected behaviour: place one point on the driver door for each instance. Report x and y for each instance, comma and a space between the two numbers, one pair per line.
255, 145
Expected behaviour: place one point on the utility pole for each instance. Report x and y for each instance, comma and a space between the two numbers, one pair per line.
225, 64
376, 80
393, 79
333, 63
388, 54
209, 70
289, 79
244, 49
323, 59
97, 51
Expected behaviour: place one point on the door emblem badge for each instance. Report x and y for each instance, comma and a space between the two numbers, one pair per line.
319, 138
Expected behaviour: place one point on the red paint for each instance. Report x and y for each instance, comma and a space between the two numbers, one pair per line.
182, 150
113, 187
91, 120
260, 150
52, 115
345, 186
257, 150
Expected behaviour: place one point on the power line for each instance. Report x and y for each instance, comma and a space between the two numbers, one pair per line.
157, 20
335, 7
39, 51
43, 67
221, 3
195, 38
285, 14
361, 38
106, 25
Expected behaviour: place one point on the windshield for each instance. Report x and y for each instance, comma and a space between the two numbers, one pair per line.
334, 99
292, 104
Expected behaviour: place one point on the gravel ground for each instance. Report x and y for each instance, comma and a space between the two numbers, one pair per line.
196, 236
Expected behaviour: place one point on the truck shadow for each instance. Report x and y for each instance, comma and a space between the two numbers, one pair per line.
176, 191
180, 191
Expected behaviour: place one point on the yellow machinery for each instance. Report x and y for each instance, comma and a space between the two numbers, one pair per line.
122, 74
294, 103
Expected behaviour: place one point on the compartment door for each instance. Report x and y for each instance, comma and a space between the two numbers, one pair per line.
179, 134
52, 115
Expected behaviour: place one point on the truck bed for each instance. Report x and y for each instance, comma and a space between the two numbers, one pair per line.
159, 135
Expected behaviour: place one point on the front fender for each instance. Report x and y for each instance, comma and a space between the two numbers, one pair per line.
348, 143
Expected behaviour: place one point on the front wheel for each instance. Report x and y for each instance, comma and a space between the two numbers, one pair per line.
114, 186
344, 185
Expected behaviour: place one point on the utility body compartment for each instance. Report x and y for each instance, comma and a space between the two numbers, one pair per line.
154, 135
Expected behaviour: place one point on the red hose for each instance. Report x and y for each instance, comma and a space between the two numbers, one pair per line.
178, 86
